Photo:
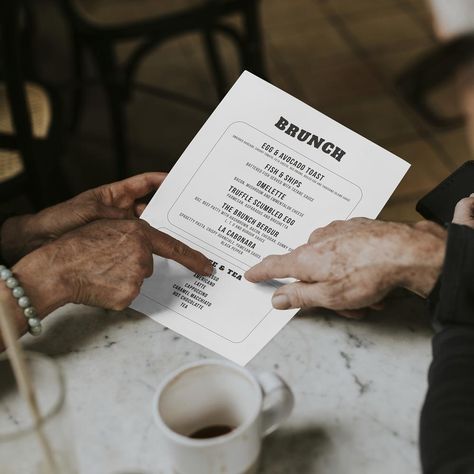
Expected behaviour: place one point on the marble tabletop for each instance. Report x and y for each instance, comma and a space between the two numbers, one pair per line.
359, 387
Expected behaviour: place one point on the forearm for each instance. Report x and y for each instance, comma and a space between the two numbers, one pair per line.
447, 418
447, 421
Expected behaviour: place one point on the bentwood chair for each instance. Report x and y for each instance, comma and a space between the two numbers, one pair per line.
29, 143
99, 26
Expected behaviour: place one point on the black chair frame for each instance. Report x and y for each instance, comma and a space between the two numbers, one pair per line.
42, 180
119, 80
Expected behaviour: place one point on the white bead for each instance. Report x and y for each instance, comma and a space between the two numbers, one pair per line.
34, 322
35, 331
2, 267
11, 282
24, 302
5, 274
29, 312
18, 292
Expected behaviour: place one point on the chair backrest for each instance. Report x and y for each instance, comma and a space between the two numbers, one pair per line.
13, 76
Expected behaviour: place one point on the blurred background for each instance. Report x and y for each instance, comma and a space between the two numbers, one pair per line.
117, 87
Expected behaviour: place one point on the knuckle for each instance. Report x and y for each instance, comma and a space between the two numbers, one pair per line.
145, 270
333, 296
178, 249
127, 295
300, 257
465, 202
316, 233
300, 298
302, 254
94, 208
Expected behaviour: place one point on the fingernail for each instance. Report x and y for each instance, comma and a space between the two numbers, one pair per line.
209, 269
281, 302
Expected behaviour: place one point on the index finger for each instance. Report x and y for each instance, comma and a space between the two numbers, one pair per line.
168, 247
127, 191
297, 264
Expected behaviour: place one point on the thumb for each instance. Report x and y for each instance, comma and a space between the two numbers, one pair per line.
139, 208
306, 295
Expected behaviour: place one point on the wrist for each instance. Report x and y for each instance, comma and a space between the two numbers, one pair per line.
425, 254
42, 281
17, 238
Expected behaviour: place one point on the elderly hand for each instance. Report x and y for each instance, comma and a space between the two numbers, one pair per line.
120, 200
102, 264
353, 264
464, 212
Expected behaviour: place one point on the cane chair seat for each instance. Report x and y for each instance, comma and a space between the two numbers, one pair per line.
11, 164
120, 12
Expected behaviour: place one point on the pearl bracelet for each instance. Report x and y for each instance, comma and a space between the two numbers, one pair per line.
34, 323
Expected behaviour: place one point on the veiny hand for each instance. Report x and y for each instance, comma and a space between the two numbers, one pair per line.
353, 264
120, 200
464, 212
102, 263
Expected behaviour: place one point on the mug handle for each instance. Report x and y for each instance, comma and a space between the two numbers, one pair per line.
278, 401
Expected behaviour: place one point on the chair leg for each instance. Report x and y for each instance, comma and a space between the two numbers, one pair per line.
214, 58
111, 80
78, 73
254, 45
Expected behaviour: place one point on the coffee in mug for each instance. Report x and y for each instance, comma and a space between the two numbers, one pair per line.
213, 414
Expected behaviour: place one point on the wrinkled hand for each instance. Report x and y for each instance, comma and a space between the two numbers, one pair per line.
102, 263
353, 264
464, 212
120, 200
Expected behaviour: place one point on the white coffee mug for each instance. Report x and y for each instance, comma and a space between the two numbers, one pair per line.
214, 396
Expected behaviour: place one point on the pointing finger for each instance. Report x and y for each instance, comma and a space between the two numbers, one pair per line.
168, 247
303, 263
273, 266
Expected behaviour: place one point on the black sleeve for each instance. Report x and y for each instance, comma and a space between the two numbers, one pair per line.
447, 418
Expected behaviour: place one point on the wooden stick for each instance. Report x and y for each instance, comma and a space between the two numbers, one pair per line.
23, 379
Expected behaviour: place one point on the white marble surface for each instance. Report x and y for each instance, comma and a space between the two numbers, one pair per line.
359, 387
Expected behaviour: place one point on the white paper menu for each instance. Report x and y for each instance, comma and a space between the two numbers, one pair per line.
263, 172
